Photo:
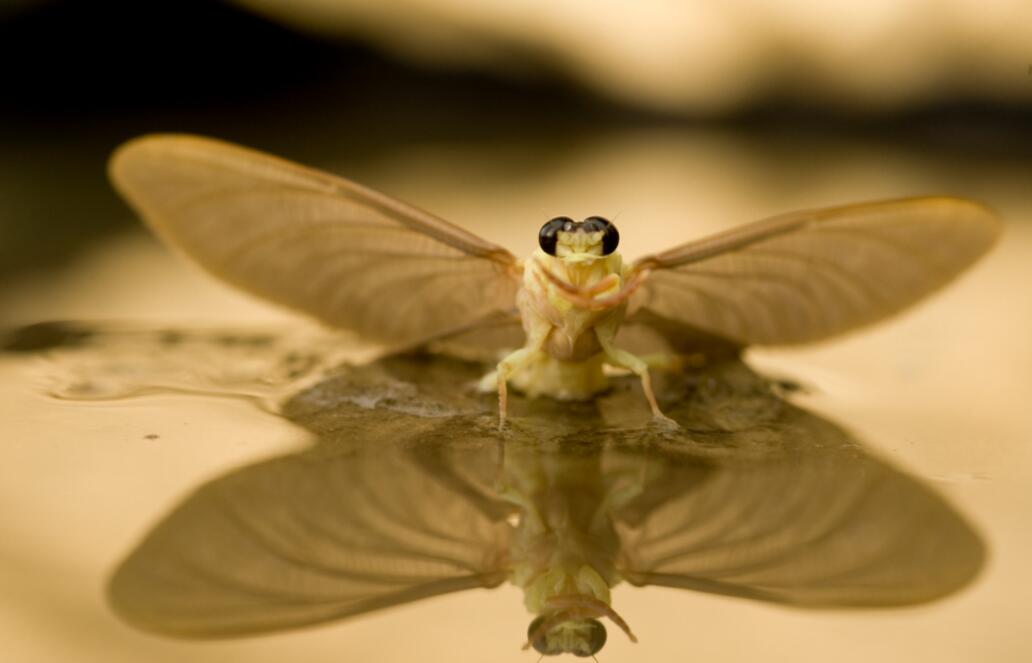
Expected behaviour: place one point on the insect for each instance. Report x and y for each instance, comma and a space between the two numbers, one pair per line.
360, 260
391, 506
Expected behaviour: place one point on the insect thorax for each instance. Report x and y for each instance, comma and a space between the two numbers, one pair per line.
570, 365
561, 580
561, 546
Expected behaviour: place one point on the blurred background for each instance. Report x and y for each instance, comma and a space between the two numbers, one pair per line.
674, 117
791, 97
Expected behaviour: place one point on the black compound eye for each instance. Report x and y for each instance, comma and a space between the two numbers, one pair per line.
539, 644
596, 638
549, 233
611, 238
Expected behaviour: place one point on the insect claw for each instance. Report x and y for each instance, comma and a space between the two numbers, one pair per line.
665, 423
602, 285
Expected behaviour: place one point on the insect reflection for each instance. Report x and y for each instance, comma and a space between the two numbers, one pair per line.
410, 493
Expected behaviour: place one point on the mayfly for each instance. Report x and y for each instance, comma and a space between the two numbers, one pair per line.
360, 260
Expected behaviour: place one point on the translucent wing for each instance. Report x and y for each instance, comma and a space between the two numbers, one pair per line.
302, 540
485, 341
808, 275
823, 526
350, 256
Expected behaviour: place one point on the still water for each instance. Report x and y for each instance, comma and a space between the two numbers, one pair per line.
191, 463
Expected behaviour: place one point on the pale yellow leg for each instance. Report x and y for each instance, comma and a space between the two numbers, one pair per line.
633, 363
512, 363
585, 298
506, 368
663, 361
625, 359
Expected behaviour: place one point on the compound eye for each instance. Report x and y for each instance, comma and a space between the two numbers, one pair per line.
549, 233
596, 638
540, 644
610, 238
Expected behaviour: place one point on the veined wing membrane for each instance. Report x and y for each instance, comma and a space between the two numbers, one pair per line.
297, 541
822, 526
808, 275
349, 256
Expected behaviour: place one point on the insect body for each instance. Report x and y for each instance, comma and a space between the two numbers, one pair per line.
572, 300
357, 259
563, 552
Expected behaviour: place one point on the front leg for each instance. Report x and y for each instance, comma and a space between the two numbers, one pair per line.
606, 332
607, 283
585, 298
539, 330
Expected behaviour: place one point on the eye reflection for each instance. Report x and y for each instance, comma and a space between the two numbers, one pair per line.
596, 638
538, 641
407, 495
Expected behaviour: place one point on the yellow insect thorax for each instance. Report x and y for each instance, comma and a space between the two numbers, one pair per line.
570, 364
564, 545
563, 580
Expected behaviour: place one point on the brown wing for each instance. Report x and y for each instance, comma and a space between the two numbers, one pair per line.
349, 256
808, 275
303, 540
812, 521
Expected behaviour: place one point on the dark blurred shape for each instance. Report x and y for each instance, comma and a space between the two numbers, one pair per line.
703, 58
115, 58
44, 336
85, 57
92, 75
80, 73
84, 77
411, 491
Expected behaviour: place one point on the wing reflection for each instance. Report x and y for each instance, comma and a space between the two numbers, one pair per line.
412, 492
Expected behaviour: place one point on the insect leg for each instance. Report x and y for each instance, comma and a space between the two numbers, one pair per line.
665, 361
631, 362
624, 294
601, 286
516, 360
577, 297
